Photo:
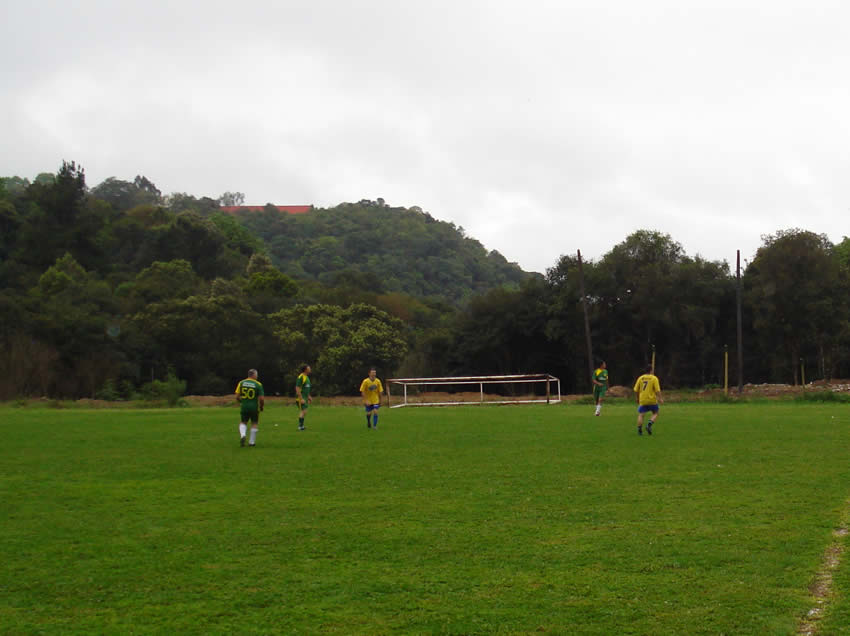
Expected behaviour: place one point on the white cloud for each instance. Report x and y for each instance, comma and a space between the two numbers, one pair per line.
539, 127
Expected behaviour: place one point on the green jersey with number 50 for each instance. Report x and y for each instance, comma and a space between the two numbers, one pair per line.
249, 391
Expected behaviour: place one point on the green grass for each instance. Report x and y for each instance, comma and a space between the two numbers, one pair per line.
462, 520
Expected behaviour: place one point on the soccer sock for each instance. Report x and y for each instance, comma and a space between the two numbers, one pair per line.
375, 420
242, 429
300, 421
598, 408
253, 436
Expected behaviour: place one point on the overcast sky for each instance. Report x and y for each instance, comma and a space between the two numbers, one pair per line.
540, 127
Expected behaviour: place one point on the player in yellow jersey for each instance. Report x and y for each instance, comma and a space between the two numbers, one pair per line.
371, 389
648, 394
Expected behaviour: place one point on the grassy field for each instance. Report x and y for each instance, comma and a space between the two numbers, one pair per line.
462, 520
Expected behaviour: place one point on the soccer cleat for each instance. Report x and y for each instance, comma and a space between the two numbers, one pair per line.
301, 428
251, 444
242, 441
640, 431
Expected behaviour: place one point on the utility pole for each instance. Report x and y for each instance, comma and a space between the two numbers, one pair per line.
586, 319
740, 328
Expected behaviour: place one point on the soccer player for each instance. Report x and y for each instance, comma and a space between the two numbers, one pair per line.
371, 389
302, 394
648, 394
600, 385
249, 394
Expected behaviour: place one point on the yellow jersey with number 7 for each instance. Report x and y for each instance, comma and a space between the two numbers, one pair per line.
647, 388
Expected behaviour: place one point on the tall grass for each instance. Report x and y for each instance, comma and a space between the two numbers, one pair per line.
823, 396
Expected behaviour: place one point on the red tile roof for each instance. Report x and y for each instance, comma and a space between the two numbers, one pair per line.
286, 209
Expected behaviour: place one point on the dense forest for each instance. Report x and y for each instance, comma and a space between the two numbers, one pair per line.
107, 290
385, 249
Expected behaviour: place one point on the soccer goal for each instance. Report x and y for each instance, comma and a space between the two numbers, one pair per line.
534, 388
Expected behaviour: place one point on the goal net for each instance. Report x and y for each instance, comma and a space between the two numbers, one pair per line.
535, 388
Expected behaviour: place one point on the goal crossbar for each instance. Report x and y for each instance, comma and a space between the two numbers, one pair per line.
479, 380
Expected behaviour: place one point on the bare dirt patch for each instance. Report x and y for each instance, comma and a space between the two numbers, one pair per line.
230, 400
836, 386
776, 391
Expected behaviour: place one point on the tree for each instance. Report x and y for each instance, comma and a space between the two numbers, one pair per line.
646, 291
340, 343
238, 238
71, 310
269, 290
123, 195
164, 281
9, 222
790, 290
146, 191
15, 186
178, 202
198, 240
839, 365
52, 223
203, 336
61, 196
504, 332
229, 199
259, 262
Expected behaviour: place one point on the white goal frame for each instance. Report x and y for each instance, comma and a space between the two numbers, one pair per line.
479, 380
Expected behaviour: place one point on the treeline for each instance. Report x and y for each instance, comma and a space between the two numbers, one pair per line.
646, 292
105, 291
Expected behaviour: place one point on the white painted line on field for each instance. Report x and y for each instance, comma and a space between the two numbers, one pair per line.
821, 587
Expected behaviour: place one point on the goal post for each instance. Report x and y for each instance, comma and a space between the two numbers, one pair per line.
413, 391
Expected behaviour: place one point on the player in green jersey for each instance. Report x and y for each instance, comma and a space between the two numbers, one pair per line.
600, 385
302, 394
251, 398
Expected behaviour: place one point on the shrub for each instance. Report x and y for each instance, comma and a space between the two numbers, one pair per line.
170, 390
108, 392
823, 396
210, 384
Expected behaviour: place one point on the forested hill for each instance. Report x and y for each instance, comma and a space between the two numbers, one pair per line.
382, 248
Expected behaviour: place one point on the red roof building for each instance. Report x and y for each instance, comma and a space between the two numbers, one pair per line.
283, 209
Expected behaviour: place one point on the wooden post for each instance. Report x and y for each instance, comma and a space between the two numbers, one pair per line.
653, 359
586, 319
803, 372
726, 369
